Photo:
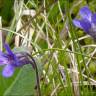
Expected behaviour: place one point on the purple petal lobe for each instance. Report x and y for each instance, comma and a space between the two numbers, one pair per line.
77, 23
86, 25
94, 18
85, 13
2, 62
8, 71
11, 53
8, 49
3, 59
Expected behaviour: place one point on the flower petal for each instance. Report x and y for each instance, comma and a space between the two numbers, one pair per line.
8, 49
86, 25
94, 18
8, 71
3, 62
3, 58
11, 53
85, 13
77, 23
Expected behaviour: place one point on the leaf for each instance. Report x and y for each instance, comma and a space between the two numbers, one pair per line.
24, 84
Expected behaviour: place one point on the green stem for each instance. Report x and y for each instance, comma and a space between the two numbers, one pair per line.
37, 75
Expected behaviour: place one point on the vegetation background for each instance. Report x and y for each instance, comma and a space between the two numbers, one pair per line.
65, 55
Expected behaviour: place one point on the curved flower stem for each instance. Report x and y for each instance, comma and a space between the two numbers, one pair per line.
37, 75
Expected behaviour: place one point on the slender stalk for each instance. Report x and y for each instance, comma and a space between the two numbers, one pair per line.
37, 75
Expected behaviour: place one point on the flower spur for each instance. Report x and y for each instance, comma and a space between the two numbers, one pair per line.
88, 21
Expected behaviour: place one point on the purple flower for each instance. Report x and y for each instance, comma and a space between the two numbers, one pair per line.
87, 21
12, 60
